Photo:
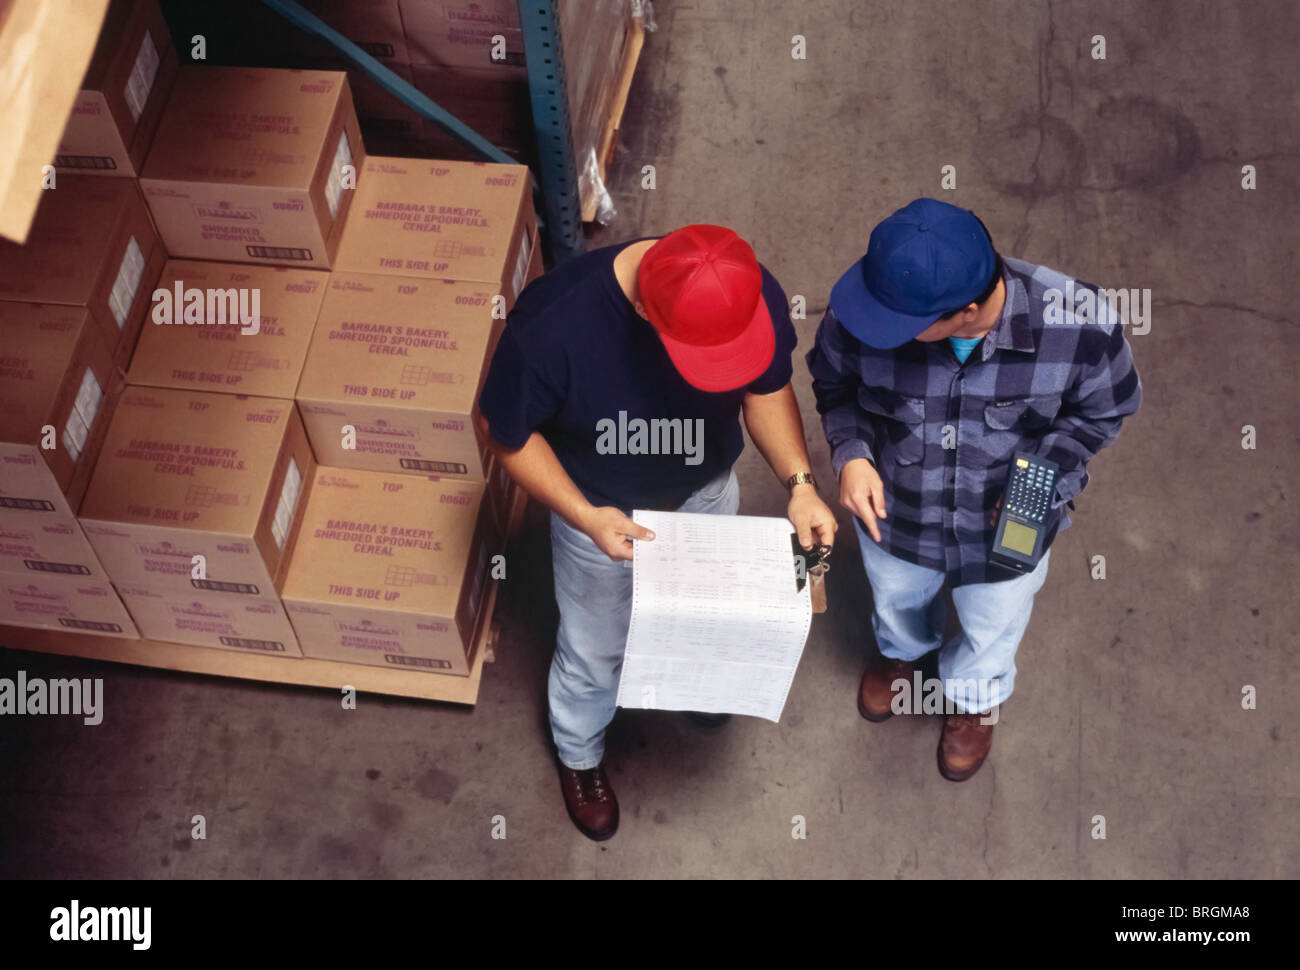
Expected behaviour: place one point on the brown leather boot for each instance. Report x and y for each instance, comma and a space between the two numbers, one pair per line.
589, 797
875, 693
963, 745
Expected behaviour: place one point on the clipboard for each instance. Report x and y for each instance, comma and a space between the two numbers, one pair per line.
811, 567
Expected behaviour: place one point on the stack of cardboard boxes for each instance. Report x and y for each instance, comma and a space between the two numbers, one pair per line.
434, 255
72, 302
55, 375
50, 577
92, 246
122, 96
193, 503
161, 419
192, 509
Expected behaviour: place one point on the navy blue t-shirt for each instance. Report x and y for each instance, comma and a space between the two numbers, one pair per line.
579, 365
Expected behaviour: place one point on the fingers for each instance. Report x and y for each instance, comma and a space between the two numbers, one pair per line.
869, 520
825, 529
624, 532
804, 522
613, 532
863, 508
633, 531
863, 502
621, 552
878, 498
867, 504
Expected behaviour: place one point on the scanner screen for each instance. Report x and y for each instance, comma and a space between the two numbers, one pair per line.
1019, 538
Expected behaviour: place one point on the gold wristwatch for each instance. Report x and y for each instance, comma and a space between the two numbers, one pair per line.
800, 478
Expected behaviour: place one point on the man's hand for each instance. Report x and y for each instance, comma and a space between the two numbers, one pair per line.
810, 517
863, 493
612, 531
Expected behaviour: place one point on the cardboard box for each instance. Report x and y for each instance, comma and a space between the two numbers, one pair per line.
401, 361
497, 107
186, 473
263, 358
58, 388
45, 48
92, 245
225, 620
247, 165
460, 33
68, 603
442, 220
122, 97
39, 532
390, 570
373, 25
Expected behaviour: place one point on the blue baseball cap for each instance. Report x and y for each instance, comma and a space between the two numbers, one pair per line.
925, 260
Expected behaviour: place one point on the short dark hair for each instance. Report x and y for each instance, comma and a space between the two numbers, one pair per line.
993, 280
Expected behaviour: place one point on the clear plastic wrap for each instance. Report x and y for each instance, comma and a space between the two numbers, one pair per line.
602, 40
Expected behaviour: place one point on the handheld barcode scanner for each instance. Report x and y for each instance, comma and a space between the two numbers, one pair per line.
1022, 520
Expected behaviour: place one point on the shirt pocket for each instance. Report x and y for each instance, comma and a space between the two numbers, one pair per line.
1016, 423
899, 421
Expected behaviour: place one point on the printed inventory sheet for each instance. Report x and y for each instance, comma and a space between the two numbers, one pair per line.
717, 623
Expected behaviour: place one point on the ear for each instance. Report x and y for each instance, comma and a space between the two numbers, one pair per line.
639, 307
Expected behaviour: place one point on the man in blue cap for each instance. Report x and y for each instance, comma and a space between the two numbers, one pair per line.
936, 361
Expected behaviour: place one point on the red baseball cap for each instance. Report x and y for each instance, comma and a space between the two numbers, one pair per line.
703, 292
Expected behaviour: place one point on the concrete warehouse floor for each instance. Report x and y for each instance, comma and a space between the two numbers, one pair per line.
1125, 171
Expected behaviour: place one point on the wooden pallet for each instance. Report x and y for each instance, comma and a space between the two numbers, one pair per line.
285, 670
632, 44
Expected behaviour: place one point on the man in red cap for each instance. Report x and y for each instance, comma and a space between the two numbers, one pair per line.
618, 384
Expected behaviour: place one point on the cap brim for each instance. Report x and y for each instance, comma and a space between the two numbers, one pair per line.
875, 324
731, 365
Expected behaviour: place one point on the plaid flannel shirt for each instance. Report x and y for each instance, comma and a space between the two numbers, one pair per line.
941, 433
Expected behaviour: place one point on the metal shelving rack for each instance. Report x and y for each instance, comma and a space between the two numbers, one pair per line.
557, 193
549, 94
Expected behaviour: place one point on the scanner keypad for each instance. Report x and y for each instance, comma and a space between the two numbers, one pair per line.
1031, 491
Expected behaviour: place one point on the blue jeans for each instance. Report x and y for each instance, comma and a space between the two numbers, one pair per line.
978, 666
594, 594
